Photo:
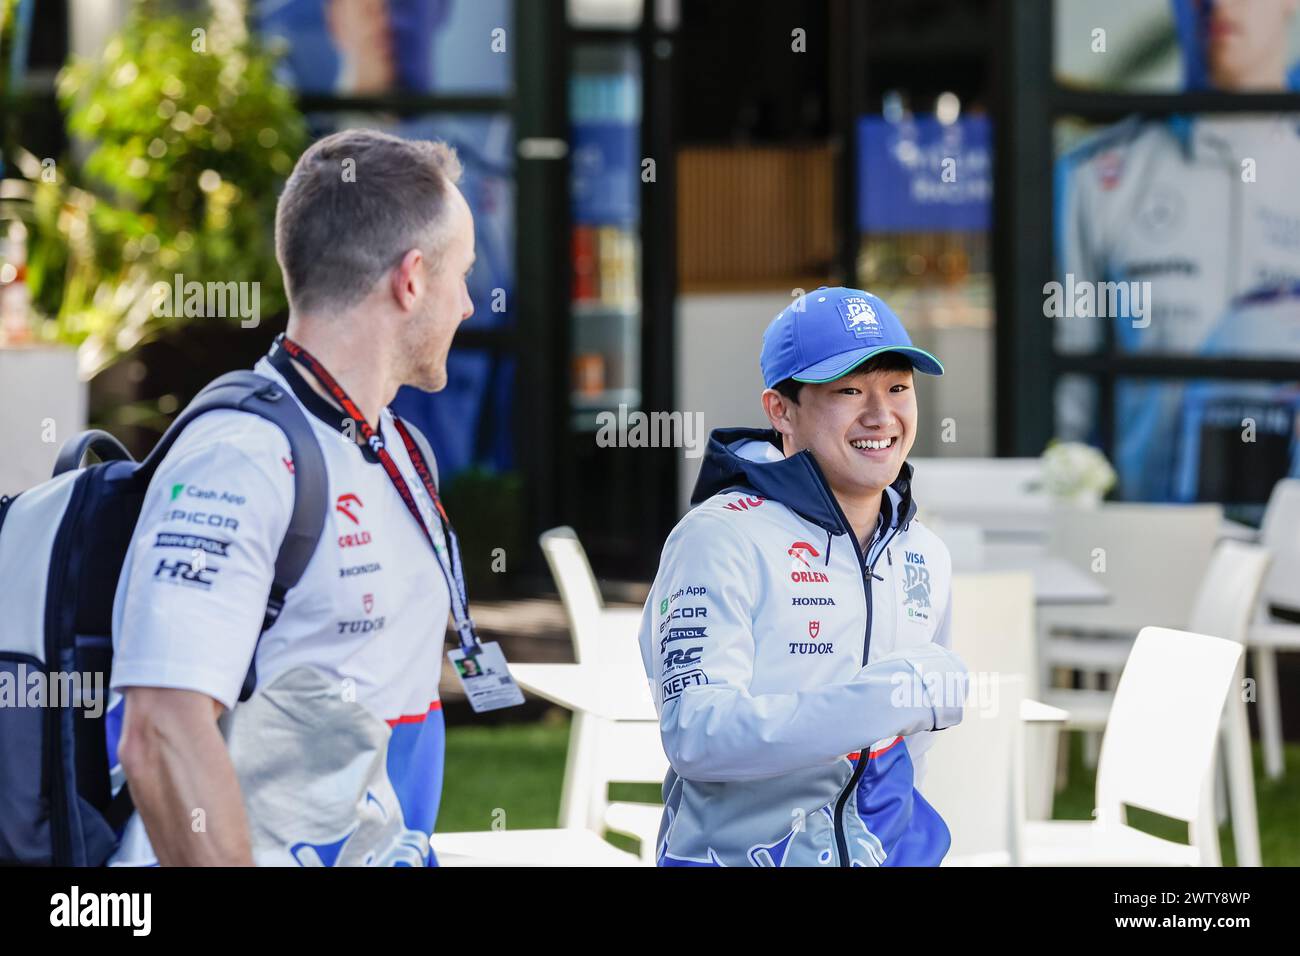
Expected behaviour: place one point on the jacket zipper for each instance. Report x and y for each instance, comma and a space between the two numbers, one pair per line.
868, 572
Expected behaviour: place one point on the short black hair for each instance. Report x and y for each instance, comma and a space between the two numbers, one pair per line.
789, 388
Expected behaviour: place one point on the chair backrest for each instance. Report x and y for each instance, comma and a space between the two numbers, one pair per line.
1154, 556
975, 775
998, 494
1160, 737
629, 749
965, 542
1281, 525
1225, 604
954, 484
1280, 533
993, 624
578, 589
601, 752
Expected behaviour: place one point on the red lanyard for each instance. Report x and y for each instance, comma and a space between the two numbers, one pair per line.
455, 574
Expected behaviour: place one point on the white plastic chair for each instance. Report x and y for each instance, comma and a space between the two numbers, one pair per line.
601, 752
613, 737
1280, 533
589, 619
628, 752
1154, 559
993, 632
1222, 608
1157, 754
975, 775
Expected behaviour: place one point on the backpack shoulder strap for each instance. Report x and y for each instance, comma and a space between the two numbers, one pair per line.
246, 391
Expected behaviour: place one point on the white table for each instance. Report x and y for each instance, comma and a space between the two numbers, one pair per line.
1056, 581
1031, 523
578, 687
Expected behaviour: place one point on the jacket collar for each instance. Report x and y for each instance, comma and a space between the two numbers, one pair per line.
796, 482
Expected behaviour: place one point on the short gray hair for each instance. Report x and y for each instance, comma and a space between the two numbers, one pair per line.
356, 203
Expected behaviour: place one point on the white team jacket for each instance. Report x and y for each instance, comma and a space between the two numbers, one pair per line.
797, 681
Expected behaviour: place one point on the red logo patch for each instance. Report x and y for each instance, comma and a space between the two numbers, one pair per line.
368, 602
801, 551
814, 627
344, 504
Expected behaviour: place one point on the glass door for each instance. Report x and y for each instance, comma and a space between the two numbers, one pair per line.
605, 124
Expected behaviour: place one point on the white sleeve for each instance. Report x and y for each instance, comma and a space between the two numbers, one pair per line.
193, 589
699, 650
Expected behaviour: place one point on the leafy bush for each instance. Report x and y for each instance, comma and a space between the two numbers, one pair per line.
189, 137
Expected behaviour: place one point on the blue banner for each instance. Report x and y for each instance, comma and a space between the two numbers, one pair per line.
468, 423
606, 173
920, 175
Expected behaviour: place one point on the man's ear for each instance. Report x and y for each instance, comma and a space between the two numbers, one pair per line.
408, 279
778, 410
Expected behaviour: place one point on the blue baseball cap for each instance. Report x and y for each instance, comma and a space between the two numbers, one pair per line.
827, 333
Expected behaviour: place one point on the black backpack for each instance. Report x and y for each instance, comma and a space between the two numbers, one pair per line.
62, 546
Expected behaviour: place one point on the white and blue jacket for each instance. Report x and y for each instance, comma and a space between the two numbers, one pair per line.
797, 680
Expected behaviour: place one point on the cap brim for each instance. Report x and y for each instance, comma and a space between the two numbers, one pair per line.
837, 366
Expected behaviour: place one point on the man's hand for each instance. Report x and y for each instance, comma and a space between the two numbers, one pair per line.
940, 681
176, 764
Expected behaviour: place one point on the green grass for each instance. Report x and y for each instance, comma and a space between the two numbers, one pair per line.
514, 772
518, 769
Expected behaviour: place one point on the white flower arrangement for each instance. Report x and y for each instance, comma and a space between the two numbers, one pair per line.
1076, 473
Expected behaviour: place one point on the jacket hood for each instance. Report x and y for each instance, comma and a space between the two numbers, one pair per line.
737, 458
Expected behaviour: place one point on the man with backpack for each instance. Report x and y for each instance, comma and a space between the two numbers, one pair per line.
337, 759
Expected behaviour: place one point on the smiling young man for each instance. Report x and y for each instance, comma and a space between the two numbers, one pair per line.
797, 634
